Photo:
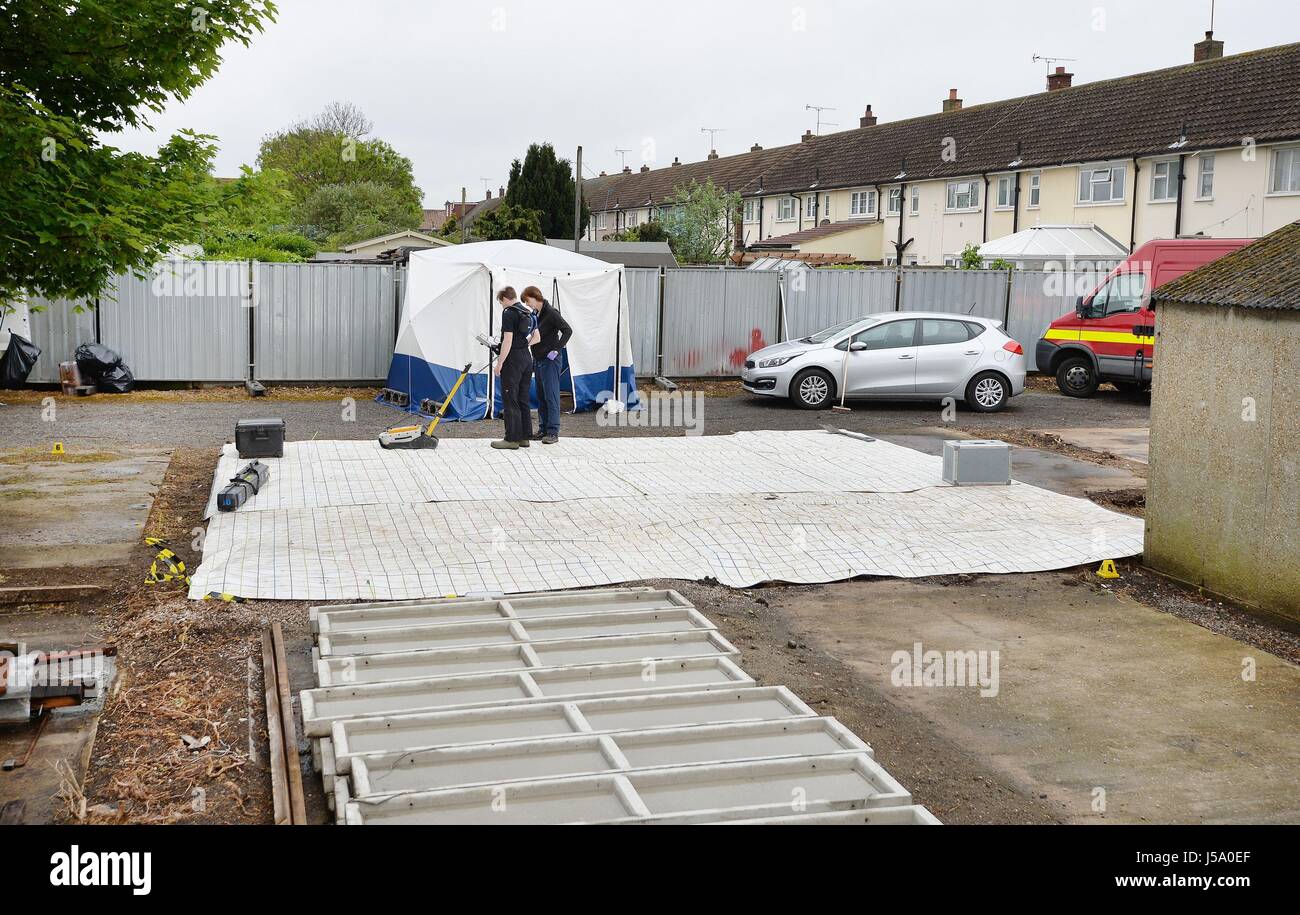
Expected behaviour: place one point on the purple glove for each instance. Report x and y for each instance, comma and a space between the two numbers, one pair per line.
552, 354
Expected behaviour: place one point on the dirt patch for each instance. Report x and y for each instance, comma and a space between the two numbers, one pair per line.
1186, 602
39, 456
223, 394
1126, 501
1046, 441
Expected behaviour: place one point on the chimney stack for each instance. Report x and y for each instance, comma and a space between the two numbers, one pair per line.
1059, 80
501, 192
807, 137
602, 173
645, 168
755, 148
488, 191
1209, 49
952, 103
676, 162
713, 154
868, 119
627, 169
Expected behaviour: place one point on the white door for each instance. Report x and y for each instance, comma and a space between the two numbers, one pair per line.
887, 364
946, 355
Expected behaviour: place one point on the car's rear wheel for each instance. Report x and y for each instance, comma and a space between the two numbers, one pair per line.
987, 392
1076, 377
812, 389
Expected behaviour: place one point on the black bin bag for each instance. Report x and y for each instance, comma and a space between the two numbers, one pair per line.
103, 368
17, 362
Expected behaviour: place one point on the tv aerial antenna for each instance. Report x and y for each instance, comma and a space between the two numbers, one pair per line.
819, 109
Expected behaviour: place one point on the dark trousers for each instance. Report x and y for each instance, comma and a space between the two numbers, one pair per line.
515, 375
546, 372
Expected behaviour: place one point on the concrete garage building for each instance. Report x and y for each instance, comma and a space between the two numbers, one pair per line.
1223, 492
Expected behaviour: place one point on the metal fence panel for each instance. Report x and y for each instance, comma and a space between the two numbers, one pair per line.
58, 329
982, 293
643, 318
187, 321
817, 299
324, 322
714, 318
1040, 297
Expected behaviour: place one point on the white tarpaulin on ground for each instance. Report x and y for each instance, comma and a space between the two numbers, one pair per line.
347, 520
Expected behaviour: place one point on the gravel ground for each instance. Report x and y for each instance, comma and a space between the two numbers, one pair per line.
201, 419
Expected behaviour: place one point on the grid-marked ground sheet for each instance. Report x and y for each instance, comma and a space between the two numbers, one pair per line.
416, 549
332, 473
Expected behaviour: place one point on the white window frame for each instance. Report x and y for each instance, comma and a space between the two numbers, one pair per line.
1006, 183
951, 260
894, 206
750, 209
632, 219
785, 209
955, 190
1164, 175
862, 204
600, 220
1035, 191
1204, 169
1087, 177
1275, 188
914, 194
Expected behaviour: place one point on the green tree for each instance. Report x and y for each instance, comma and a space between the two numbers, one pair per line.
509, 221
74, 210
248, 219
320, 152
699, 224
337, 214
970, 257
646, 231
544, 182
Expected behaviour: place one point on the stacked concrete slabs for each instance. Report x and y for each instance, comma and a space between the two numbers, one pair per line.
601, 706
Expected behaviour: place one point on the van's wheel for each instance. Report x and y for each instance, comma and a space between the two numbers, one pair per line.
1076, 377
987, 392
813, 389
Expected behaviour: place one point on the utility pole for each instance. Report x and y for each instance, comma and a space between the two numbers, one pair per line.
577, 200
464, 200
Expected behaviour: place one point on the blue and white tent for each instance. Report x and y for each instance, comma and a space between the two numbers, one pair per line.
450, 298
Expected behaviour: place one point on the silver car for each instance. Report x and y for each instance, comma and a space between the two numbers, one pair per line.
898, 355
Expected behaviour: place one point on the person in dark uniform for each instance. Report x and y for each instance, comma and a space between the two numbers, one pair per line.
554, 333
514, 365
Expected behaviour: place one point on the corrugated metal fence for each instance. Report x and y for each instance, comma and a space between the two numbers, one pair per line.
193, 320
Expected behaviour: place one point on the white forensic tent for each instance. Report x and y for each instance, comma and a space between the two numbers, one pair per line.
450, 298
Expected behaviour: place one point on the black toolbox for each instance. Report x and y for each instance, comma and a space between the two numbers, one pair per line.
260, 438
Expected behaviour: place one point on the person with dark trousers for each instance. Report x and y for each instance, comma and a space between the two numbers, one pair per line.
554, 334
514, 366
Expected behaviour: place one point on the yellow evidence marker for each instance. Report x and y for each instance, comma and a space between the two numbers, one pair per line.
58, 448
1107, 569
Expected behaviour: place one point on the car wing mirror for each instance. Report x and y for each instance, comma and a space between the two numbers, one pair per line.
1079, 308
857, 346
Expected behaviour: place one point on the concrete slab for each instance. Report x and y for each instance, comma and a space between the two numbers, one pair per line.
333, 620
412, 665
322, 706
510, 632
914, 815
1113, 710
85, 509
356, 736
686, 794
1045, 469
512, 761
1131, 444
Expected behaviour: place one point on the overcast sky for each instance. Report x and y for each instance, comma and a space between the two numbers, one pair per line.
461, 87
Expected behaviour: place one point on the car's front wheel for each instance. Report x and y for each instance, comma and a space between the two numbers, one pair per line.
987, 392
812, 389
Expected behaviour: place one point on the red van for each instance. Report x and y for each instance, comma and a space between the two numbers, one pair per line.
1110, 336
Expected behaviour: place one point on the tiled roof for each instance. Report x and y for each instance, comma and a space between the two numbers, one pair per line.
1213, 104
814, 232
1264, 274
